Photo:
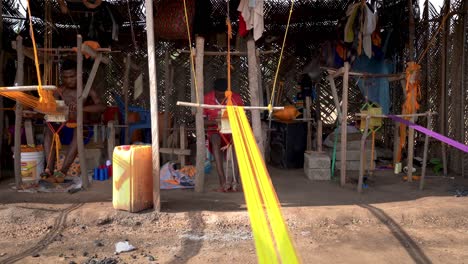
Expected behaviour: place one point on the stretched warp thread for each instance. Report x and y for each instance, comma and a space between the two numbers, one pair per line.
411, 105
272, 239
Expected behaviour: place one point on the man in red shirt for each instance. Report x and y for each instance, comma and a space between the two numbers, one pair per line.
217, 140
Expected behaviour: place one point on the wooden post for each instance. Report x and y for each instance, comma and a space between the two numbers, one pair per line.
2, 83
193, 95
443, 80
126, 83
411, 58
183, 144
463, 91
201, 148
426, 146
111, 139
396, 142
331, 80
319, 135
307, 116
363, 155
167, 92
28, 129
344, 121
19, 80
254, 93
154, 102
92, 76
260, 83
79, 113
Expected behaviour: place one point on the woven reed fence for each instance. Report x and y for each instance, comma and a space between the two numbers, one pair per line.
313, 23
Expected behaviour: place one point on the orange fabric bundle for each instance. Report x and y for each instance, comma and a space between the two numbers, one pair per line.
287, 114
413, 94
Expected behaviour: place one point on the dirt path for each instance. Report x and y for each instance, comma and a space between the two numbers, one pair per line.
391, 223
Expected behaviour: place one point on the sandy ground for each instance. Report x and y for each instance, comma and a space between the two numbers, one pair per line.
392, 222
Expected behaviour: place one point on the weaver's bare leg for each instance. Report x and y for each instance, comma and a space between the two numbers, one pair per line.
215, 141
71, 154
50, 157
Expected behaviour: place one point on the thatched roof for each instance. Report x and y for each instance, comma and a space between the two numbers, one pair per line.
312, 21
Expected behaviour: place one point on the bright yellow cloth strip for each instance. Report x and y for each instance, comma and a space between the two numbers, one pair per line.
271, 236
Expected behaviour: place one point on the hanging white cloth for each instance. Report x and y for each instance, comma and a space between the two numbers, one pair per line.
253, 16
369, 26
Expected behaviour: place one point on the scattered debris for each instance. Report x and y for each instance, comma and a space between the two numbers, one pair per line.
2, 254
85, 254
124, 247
36, 255
72, 262
151, 258
104, 221
98, 243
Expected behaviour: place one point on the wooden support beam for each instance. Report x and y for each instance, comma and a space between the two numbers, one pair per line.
19, 79
426, 146
254, 93
193, 95
233, 53
79, 113
200, 134
336, 100
153, 102
126, 83
344, 126
2, 113
363, 155
92, 76
110, 139
167, 93
183, 144
307, 116
443, 80
28, 129
319, 135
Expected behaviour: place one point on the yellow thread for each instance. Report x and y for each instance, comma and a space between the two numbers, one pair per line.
281, 54
191, 54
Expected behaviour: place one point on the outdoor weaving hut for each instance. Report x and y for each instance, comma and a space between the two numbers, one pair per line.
371, 68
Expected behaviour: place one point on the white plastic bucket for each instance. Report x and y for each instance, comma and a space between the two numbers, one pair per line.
32, 165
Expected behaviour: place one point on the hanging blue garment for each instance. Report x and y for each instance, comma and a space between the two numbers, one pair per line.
376, 89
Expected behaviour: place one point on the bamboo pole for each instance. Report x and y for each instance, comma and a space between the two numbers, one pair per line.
154, 102
207, 106
19, 79
344, 127
426, 146
79, 113
254, 93
126, 84
201, 149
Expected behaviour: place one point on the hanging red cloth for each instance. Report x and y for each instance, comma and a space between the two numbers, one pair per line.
242, 26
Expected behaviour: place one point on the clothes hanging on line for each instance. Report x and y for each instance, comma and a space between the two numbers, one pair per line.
253, 16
